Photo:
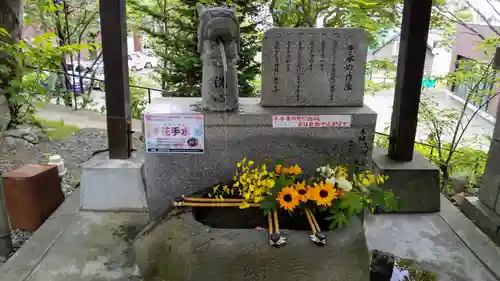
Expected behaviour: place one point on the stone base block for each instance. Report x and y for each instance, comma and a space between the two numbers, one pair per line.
249, 132
487, 220
112, 184
182, 249
416, 183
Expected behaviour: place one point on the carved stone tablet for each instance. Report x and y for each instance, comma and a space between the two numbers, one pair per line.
313, 66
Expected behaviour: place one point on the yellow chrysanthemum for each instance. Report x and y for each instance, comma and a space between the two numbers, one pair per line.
294, 170
381, 179
301, 189
278, 168
341, 171
324, 194
288, 198
366, 178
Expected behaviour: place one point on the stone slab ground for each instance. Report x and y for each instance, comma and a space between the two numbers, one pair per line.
74, 245
446, 242
83, 246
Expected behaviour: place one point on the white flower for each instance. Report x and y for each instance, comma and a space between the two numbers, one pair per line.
330, 181
343, 183
326, 171
322, 170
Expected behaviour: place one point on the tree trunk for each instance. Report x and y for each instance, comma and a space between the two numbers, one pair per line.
165, 63
10, 12
446, 175
10, 20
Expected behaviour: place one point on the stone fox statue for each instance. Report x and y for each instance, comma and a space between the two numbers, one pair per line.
218, 27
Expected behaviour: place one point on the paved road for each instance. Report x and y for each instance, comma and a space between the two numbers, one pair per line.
382, 104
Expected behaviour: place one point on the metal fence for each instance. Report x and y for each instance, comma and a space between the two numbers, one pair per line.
170, 94
94, 80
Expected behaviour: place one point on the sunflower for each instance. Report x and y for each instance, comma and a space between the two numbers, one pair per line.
288, 198
312, 193
324, 193
301, 189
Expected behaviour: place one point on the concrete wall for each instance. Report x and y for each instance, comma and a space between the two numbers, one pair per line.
465, 45
466, 42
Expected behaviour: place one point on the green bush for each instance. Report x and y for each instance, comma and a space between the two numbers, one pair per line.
138, 98
465, 160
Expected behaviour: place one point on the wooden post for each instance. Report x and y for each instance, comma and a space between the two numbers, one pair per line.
115, 58
412, 50
496, 64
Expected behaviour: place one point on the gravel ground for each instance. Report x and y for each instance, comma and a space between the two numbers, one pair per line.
74, 149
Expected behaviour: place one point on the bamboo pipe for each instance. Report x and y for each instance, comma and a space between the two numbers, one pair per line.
270, 221
313, 218
276, 223
214, 204
313, 226
211, 200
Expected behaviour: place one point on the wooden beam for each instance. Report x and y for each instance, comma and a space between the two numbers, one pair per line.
412, 51
115, 58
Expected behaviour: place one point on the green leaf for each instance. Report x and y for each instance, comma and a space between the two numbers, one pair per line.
376, 195
279, 184
391, 201
339, 220
323, 209
4, 32
269, 204
351, 201
279, 161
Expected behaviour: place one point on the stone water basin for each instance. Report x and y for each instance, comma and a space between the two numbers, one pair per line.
182, 248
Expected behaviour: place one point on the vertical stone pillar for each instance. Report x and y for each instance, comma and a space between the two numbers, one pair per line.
490, 191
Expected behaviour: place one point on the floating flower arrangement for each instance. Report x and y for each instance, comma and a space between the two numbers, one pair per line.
273, 187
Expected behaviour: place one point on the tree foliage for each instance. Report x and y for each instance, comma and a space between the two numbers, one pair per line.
376, 17
74, 22
447, 147
24, 63
174, 40
479, 81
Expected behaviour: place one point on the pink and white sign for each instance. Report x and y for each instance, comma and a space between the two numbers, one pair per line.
174, 133
311, 121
